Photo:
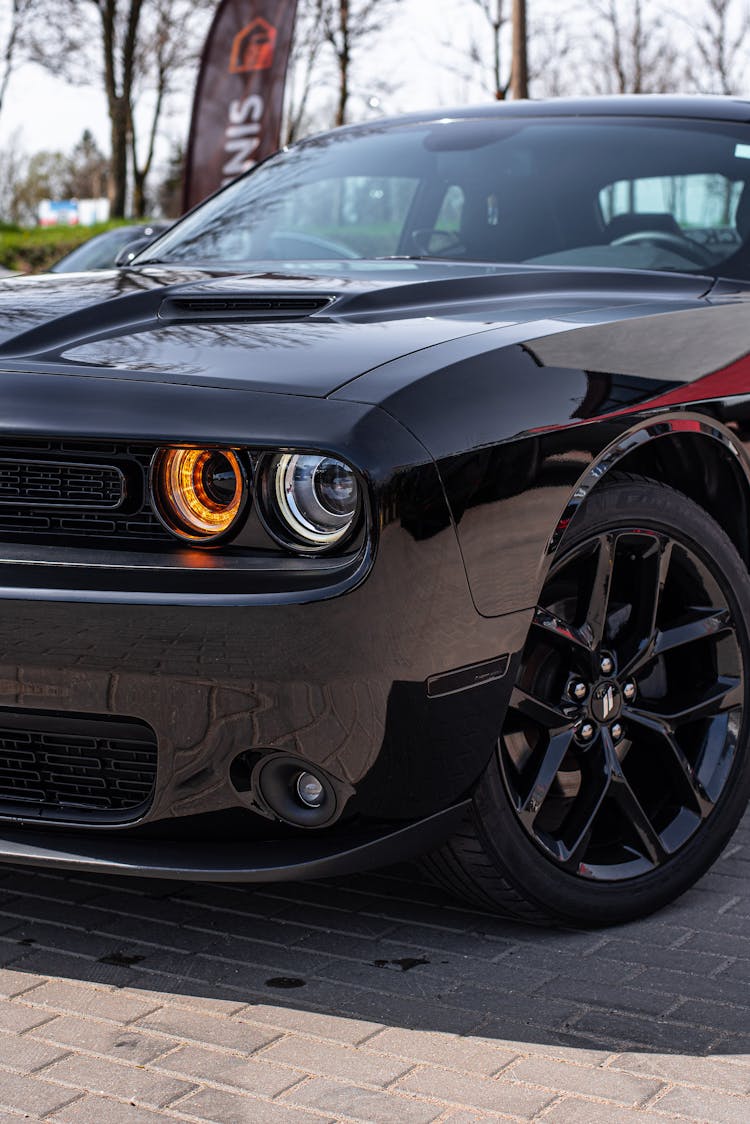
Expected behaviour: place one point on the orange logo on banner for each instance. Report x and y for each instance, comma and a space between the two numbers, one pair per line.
253, 47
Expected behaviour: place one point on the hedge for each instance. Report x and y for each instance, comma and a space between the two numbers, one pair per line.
35, 249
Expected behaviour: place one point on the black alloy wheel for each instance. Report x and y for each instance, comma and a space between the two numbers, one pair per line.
621, 769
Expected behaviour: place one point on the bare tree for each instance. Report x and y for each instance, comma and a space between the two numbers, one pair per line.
519, 67
168, 47
15, 39
720, 38
348, 26
305, 66
634, 53
140, 49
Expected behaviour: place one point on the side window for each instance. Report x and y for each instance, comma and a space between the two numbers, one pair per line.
703, 205
451, 210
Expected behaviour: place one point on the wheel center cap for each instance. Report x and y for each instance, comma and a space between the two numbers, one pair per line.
606, 701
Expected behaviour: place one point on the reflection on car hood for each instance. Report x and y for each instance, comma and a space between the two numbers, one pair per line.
262, 331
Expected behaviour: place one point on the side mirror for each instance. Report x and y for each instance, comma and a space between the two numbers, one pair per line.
131, 249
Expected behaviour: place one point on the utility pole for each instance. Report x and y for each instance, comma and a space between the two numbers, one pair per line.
520, 69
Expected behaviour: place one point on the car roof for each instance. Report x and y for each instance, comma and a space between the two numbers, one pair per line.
696, 106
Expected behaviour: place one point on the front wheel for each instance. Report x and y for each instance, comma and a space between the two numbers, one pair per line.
622, 767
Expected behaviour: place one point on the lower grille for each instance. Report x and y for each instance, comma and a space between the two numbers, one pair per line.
75, 768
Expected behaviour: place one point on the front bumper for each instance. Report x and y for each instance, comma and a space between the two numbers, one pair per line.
353, 675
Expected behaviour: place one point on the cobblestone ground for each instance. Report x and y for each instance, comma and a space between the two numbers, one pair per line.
365, 999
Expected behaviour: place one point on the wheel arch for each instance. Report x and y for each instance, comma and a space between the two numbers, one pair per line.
694, 454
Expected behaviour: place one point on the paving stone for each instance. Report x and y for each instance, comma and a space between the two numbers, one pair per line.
15, 1018
32, 1095
95, 1001
24, 1055
466, 1054
711, 1073
194, 1026
255, 1075
318, 1024
220, 1107
614, 1085
352, 1064
622, 1031
718, 1108
91, 1109
570, 1110
496, 1095
130, 1082
366, 1105
123, 1043
14, 983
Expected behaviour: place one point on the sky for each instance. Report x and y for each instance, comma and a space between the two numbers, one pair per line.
42, 112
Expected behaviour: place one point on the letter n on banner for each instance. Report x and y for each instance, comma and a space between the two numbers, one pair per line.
239, 96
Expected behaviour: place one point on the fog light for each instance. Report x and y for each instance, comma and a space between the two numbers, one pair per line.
310, 790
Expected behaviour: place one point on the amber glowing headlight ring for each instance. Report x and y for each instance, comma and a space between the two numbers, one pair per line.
192, 494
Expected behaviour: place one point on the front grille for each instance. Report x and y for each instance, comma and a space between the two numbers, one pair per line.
77, 491
60, 483
75, 768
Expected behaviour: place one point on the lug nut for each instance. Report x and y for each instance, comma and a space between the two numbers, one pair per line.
578, 690
586, 731
607, 665
616, 731
628, 691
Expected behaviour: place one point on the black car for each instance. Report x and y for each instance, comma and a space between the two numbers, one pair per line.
103, 250
396, 502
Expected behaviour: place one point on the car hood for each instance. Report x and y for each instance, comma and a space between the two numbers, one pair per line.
307, 329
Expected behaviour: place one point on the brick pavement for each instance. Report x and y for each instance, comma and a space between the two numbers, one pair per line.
371, 998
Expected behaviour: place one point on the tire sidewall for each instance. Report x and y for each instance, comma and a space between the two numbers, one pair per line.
650, 506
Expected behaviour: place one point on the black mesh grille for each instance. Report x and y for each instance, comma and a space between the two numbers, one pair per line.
60, 484
73, 769
77, 491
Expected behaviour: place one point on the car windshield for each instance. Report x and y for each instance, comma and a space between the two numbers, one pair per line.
653, 193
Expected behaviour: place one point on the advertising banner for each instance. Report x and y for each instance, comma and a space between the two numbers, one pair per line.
240, 92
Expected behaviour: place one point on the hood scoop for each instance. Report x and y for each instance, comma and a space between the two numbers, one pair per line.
241, 307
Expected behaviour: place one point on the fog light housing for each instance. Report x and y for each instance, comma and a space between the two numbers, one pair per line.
199, 494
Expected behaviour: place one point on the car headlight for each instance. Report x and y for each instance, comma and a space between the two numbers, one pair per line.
199, 494
312, 499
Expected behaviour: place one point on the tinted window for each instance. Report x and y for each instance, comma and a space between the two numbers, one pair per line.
647, 194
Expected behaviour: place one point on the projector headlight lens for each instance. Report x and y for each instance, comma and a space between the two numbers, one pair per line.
316, 499
198, 493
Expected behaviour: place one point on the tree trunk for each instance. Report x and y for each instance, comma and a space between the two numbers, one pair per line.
519, 69
119, 179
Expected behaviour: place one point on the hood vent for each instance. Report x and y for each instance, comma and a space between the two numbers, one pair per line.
242, 307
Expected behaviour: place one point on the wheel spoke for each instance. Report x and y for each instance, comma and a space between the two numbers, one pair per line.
579, 822
645, 614
554, 754
539, 711
598, 604
725, 694
630, 806
697, 626
558, 629
664, 731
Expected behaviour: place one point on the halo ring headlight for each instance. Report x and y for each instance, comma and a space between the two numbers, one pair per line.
314, 500
199, 494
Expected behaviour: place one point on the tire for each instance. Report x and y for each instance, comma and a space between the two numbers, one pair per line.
601, 807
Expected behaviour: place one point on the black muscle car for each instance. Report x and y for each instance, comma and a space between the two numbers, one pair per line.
396, 502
